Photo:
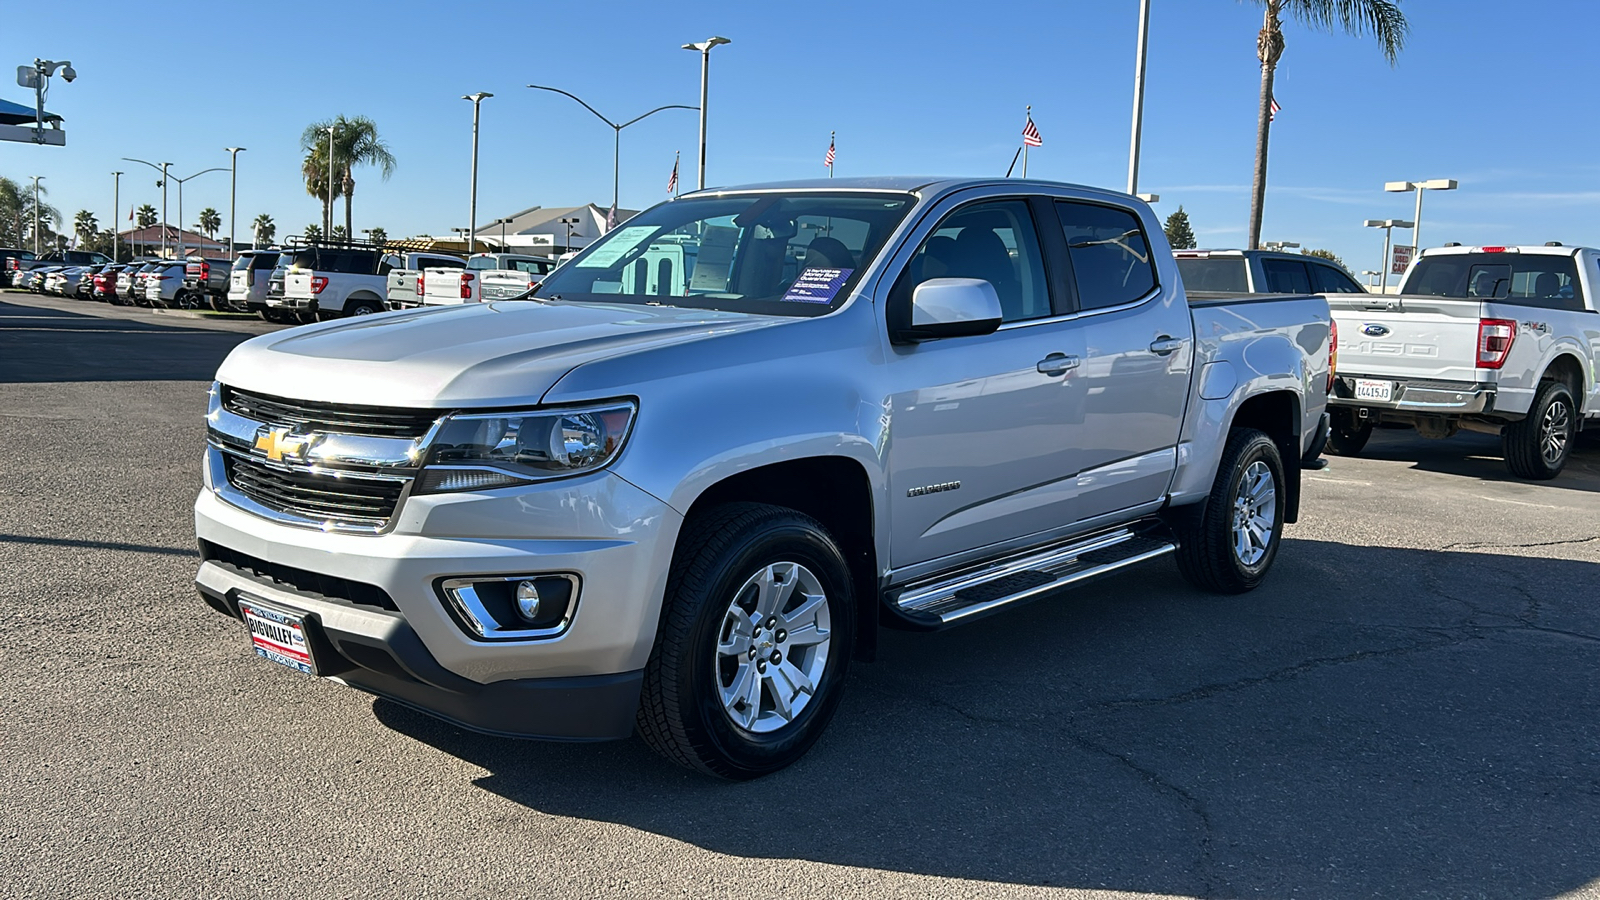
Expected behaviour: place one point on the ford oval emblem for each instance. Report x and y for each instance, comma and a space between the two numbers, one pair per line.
1373, 329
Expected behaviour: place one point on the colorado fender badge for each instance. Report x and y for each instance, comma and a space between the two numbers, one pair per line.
933, 489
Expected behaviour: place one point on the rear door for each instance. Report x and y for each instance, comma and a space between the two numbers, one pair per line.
1138, 357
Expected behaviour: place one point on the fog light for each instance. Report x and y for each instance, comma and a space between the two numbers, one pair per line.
528, 600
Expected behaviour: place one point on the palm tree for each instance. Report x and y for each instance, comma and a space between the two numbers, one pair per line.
1380, 18
210, 221
85, 226
339, 234
16, 212
265, 229
355, 142
312, 232
145, 216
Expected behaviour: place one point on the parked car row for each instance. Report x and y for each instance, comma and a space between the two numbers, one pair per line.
142, 282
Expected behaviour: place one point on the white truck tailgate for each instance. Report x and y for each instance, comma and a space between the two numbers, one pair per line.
1426, 338
442, 287
297, 283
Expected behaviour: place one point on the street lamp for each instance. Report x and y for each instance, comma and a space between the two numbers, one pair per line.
616, 145
1371, 276
1279, 245
472, 220
233, 198
1388, 226
704, 48
162, 168
327, 225
1138, 97
36, 180
1400, 187
116, 209
180, 182
567, 247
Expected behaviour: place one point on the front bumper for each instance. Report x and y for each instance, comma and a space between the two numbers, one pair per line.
377, 651
1414, 395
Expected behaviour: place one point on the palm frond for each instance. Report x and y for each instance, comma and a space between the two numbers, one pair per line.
1382, 19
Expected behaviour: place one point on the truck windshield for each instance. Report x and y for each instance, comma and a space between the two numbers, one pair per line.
775, 253
1530, 279
1225, 274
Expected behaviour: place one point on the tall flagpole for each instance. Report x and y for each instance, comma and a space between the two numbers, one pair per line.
1025, 146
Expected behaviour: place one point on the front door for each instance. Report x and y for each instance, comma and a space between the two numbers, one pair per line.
981, 441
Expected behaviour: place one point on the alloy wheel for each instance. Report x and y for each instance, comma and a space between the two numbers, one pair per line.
1255, 508
1555, 431
772, 647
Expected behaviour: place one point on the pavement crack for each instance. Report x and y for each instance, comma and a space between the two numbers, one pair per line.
1490, 545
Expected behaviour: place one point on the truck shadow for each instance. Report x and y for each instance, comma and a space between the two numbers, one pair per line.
44, 344
1479, 456
1372, 722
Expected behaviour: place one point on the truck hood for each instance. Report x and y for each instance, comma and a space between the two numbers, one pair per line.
481, 354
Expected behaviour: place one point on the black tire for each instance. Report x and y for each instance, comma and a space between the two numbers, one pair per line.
1347, 435
1537, 447
1206, 532
681, 711
362, 308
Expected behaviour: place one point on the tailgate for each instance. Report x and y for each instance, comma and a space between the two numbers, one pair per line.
498, 284
1424, 338
442, 286
297, 283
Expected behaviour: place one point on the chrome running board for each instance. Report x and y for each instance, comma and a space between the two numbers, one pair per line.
966, 595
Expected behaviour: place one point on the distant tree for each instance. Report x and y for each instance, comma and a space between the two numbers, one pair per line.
84, 226
16, 214
312, 232
265, 230
1380, 18
210, 221
355, 142
377, 235
1179, 234
1325, 254
338, 233
146, 216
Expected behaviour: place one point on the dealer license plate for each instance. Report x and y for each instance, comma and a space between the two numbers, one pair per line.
278, 636
1382, 391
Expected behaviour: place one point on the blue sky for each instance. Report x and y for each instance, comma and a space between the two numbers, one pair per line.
1490, 97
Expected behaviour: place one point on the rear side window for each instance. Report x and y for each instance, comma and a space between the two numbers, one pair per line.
1110, 257
1226, 275
264, 261
531, 266
1286, 276
1533, 279
443, 262
1327, 279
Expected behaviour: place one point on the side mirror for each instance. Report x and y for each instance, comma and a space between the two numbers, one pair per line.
953, 307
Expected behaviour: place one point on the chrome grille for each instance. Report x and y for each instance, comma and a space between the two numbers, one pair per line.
372, 421
315, 496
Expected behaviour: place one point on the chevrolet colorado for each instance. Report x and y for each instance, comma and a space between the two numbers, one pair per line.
681, 502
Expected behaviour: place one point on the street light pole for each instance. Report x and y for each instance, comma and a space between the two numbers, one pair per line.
162, 168
472, 215
180, 182
1436, 184
327, 218
116, 210
616, 147
705, 74
233, 199
1138, 97
36, 179
1388, 226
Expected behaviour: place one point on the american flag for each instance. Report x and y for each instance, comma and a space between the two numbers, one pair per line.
611, 217
672, 183
828, 160
1030, 134
1272, 116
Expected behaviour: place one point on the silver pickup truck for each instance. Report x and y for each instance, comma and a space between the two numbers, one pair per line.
1502, 340
681, 487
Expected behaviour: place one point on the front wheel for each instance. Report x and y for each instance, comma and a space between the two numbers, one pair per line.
1537, 447
754, 643
1228, 545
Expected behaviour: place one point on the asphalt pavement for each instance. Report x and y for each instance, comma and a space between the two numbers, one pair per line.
1408, 708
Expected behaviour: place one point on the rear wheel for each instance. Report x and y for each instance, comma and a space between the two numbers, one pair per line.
1228, 545
1538, 446
1347, 434
362, 307
754, 643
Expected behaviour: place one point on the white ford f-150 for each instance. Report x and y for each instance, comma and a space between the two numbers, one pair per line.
1502, 340
682, 485
488, 276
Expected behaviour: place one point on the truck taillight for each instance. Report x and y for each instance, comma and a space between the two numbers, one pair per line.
1333, 352
1495, 337
466, 285
205, 270
318, 282
419, 285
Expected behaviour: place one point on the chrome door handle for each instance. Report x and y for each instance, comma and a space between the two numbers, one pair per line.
1057, 364
1164, 345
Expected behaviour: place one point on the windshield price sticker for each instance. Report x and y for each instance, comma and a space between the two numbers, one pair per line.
615, 247
817, 285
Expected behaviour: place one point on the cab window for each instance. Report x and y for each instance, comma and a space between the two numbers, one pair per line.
993, 241
1286, 276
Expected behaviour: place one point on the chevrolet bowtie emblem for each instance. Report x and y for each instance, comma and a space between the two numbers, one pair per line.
282, 441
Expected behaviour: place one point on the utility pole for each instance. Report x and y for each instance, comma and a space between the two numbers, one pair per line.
233, 199
472, 213
116, 210
1138, 97
36, 179
327, 218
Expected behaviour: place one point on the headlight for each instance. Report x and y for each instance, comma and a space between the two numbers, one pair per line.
479, 451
